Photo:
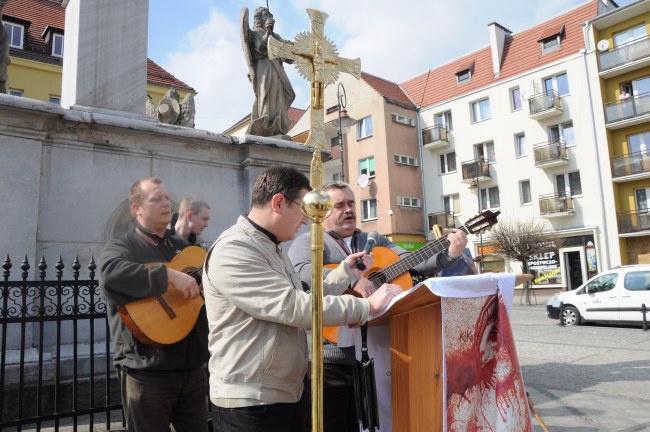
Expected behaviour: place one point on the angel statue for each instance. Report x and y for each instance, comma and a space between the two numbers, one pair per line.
4, 54
170, 111
273, 92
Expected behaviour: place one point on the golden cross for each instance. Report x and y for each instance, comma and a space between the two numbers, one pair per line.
317, 60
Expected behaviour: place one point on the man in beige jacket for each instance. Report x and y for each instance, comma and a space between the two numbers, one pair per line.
258, 310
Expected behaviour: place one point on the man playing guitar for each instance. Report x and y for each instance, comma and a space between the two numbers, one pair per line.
341, 239
160, 385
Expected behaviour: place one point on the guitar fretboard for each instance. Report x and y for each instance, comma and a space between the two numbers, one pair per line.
411, 260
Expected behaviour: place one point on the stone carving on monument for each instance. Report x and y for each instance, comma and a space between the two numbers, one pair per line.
273, 91
171, 111
4, 54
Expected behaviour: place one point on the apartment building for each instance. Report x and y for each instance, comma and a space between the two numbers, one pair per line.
619, 50
36, 29
510, 127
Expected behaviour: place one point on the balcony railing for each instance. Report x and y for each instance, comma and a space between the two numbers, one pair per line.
444, 219
627, 108
435, 137
555, 205
545, 104
631, 165
633, 221
626, 53
476, 169
550, 153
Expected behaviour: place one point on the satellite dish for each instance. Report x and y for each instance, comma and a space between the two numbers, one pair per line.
363, 180
602, 45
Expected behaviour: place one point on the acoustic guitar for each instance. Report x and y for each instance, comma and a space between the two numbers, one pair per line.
389, 268
167, 319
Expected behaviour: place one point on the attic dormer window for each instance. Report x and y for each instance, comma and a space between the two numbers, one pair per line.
54, 38
16, 34
550, 40
464, 75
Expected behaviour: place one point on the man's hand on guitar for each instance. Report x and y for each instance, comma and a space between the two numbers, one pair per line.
185, 283
364, 288
380, 298
457, 243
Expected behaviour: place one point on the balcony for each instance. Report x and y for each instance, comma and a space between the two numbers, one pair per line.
435, 137
634, 222
625, 58
628, 112
477, 169
550, 154
554, 205
444, 219
631, 167
544, 105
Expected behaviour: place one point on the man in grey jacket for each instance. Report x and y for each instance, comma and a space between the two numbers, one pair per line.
257, 311
342, 237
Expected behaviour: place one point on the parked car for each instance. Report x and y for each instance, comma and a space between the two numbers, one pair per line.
616, 295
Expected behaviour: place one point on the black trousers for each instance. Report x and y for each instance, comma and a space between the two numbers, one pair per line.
339, 411
280, 417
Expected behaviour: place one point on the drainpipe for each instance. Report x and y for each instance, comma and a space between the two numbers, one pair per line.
603, 218
424, 196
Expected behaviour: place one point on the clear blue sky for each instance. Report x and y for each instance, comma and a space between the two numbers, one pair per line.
198, 40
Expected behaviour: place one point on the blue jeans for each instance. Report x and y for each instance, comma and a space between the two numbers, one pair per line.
153, 400
280, 417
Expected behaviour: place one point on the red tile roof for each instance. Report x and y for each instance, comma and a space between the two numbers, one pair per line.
391, 91
521, 52
551, 31
294, 115
39, 14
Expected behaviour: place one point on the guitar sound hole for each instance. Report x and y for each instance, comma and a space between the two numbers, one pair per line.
378, 279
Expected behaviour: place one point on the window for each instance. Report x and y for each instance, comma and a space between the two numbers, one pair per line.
481, 110
399, 118
57, 45
15, 33
447, 163
334, 141
55, 100
484, 151
444, 119
16, 92
490, 198
406, 160
368, 209
408, 201
558, 83
515, 99
637, 281
336, 177
562, 131
602, 283
367, 166
520, 145
524, 192
551, 44
638, 143
642, 198
630, 35
463, 76
451, 203
364, 127
574, 186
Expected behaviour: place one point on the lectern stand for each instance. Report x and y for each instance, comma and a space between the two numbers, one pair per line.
416, 349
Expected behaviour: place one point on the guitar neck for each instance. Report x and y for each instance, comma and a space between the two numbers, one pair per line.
411, 260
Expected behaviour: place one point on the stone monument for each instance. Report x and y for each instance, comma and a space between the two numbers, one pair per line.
172, 111
4, 54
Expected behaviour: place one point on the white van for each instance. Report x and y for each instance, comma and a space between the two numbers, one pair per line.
619, 294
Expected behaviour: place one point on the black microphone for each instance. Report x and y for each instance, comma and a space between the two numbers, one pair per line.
370, 244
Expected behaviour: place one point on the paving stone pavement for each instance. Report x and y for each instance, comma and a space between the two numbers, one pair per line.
589, 378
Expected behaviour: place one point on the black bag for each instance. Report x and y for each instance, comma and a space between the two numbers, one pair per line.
365, 391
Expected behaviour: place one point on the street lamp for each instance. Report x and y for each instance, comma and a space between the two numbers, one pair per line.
345, 122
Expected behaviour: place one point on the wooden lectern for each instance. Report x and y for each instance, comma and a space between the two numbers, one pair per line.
416, 356
416, 361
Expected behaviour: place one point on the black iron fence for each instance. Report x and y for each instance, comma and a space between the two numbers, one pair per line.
55, 365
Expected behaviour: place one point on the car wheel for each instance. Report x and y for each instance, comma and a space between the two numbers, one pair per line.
570, 316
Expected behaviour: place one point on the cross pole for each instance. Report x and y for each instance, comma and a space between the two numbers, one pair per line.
317, 60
